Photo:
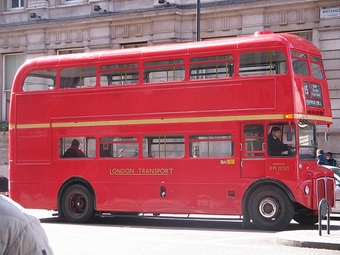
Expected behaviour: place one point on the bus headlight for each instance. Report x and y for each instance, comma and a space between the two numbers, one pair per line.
307, 190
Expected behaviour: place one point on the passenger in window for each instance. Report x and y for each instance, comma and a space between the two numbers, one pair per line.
122, 153
275, 146
74, 150
196, 152
135, 154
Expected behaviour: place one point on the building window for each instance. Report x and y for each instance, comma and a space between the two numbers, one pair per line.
11, 63
72, 1
16, 3
133, 45
308, 35
70, 51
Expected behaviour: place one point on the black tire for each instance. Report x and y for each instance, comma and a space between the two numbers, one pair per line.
306, 220
77, 204
270, 208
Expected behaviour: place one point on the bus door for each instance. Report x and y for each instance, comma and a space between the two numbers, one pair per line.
252, 151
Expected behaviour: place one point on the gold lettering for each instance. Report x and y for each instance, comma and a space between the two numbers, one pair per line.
122, 171
279, 167
141, 171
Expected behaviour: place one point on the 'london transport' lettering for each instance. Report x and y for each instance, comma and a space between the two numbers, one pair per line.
141, 171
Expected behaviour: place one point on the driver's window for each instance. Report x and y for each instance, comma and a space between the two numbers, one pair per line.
281, 139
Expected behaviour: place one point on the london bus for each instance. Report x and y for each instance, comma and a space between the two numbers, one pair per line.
174, 129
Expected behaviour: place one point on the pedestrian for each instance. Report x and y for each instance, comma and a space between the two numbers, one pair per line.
330, 159
21, 233
322, 158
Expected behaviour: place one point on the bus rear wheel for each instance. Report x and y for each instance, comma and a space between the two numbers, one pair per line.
77, 204
270, 208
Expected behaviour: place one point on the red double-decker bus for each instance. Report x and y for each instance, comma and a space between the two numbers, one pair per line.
225, 127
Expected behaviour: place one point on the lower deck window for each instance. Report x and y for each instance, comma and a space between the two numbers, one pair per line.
211, 146
77, 147
163, 146
118, 147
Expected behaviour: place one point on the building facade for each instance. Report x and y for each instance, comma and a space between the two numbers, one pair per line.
31, 28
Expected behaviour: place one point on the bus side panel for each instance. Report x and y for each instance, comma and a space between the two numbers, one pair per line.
28, 187
233, 95
163, 185
117, 186
33, 145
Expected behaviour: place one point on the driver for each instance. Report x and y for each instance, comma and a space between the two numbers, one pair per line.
275, 146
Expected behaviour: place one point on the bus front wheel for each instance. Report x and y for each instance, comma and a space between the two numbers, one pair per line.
77, 204
270, 208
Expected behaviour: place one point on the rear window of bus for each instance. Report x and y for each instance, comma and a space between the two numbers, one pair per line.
40, 80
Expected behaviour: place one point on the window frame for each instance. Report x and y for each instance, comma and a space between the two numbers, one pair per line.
114, 144
157, 66
209, 141
148, 143
21, 4
259, 68
203, 63
65, 142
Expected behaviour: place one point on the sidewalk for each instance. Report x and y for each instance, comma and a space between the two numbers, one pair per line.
311, 238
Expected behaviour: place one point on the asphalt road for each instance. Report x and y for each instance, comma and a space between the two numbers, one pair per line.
163, 236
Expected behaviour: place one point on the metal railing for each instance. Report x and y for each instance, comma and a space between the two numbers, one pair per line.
324, 210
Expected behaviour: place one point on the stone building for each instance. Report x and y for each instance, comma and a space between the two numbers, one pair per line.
31, 28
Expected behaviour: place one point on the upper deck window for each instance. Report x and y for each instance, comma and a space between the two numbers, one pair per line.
316, 66
78, 77
300, 64
211, 67
164, 71
119, 74
40, 80
262, 63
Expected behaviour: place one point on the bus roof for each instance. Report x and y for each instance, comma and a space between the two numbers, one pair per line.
258, 40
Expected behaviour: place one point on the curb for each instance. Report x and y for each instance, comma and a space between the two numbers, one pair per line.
309, 239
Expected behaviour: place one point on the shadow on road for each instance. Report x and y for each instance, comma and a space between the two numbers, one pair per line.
220, 224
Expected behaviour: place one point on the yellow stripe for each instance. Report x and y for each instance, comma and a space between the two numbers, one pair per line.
41, 125
313, 117
169, 121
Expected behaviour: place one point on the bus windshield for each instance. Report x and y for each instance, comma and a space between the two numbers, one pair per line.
307, 142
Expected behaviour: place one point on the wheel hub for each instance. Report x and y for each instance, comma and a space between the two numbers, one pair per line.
268, 208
